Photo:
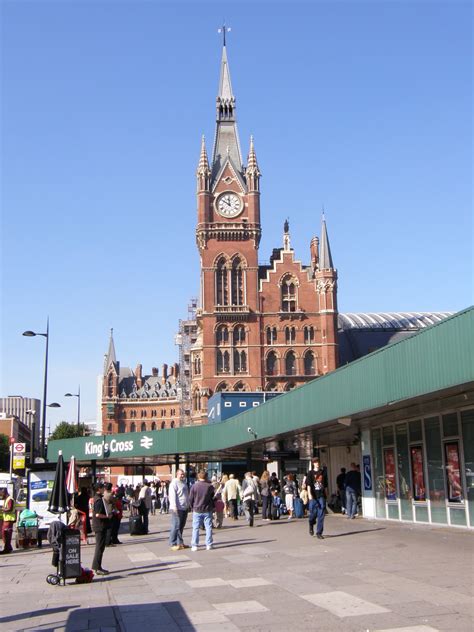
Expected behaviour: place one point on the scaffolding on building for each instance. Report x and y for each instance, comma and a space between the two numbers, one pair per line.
185, 339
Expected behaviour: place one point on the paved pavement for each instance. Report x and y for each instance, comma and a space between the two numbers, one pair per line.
364, 576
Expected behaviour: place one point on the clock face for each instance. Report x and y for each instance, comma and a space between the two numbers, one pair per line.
229, 205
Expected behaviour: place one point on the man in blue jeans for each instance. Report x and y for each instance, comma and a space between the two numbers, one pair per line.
352, 484
201, 503
317, 499
178, 494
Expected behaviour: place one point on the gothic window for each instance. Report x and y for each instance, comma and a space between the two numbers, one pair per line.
240, 361
163, 425
222, 335
290, 335
222, 292
272, 363
239, 335
143, 427
240, 387
197, 365
172, 424
109, 428
271, 335
121, 426
309, 364
271, 386
290, 363
289, 295
222, 387
290, 386
237, 282
110, 385
133, 427
223, 361
153, 426
309, 335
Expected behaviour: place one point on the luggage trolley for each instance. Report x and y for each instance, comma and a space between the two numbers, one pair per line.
66, 544
27, 529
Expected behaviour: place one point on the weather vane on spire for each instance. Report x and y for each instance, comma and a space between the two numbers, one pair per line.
224, 29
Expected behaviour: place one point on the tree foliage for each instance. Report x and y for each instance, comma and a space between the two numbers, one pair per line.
66, 430
4, 453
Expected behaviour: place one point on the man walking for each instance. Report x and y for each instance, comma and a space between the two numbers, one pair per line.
100, 524
8, 516
249, 497
201, 503
352, 483
179, 504
145, 498
341, 488
317, 499
231, 494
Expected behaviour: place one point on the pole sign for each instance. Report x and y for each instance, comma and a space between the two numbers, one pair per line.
19, 449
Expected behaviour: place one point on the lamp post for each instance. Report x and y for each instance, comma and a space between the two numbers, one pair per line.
78, 395
32, 413
45, 388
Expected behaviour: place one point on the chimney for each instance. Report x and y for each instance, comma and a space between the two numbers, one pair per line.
154, 371
138, 376
164, 373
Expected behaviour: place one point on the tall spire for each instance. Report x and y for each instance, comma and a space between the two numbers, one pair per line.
325, 258
252, 173
110, 357
203, 172
226, 127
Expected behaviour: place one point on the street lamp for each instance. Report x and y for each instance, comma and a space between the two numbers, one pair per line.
54, 405
78, 395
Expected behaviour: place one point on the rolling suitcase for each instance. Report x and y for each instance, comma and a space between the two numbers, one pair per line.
135, 524
298, 508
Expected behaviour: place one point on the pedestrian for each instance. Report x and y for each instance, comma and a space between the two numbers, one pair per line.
219, 507
100, 524
165, 502
304, 497
232, 492
145, 497
275, 505
341, 488
179, 505
256, 480
289, 489
352, 485
153, 498
9, 516
116, 518
265, 494
201, 503
109, 507
317, 499
249, 497
275, 482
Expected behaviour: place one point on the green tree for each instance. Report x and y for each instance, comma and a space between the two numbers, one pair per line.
66, 430
4, 453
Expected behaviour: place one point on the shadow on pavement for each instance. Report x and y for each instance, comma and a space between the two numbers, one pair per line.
33, 613
340, 535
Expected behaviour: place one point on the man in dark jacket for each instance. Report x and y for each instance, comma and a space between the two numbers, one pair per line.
352, 484
100, 524
317, 499
201, 503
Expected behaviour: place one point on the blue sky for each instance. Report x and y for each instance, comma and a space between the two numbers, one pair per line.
363, 107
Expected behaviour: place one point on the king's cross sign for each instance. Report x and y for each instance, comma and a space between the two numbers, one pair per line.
146, 442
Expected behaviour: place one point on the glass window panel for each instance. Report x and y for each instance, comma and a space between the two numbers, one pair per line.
390, 482
393, 512
404, 484
415, 431
450, 425
421, 513
387, 433
435, 471
453, 472
378, 475
417, 472
458, 516
467, 425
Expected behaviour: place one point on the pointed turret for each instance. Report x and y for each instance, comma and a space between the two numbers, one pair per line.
203, 171
286, 236
110, 358
325, 258
226, 126
252, 173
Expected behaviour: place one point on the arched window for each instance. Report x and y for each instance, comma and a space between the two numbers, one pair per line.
240, 361
110, 385
197, 365
290, 363
223, 361
309, 364
172, 424
222, 335
309, 335
222, 292
239, 335
290, 386
109, 428
121, 426
153, 426
271, 386
290, 335
271, 335
237, 282
240, 387
272, 363
289, 295
222, 387
143, 427
197, 400
163, 425
133, 427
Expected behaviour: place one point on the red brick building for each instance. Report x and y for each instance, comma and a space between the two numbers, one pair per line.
260, 327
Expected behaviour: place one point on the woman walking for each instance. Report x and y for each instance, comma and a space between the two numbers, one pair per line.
265, 493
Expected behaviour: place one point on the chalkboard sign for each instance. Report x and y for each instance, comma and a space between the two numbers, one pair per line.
71, 554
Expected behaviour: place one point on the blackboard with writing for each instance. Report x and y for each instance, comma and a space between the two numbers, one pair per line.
71, 554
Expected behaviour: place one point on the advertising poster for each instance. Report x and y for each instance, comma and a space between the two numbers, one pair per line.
367, 472
453, 472
418, 477
40, 488
390, 483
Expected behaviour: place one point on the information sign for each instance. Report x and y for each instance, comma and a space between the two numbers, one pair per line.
71, 554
